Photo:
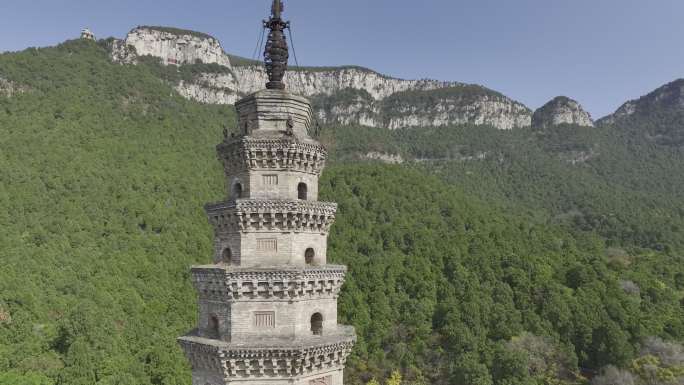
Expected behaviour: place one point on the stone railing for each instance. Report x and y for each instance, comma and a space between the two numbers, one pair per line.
269, 215
308, 357
248, 153
226, 283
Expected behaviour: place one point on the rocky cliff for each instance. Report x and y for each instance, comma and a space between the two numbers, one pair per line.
561, 110
9, 88
211, 88
669, 97
313, 81
172, 46
344, 95
458, 104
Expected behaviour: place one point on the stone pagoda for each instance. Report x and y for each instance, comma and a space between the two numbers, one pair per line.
268, 303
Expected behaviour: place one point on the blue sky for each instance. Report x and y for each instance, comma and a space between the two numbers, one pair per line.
600, 52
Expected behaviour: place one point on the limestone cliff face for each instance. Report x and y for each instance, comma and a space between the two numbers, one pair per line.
669, 97
626, 110
464, 104
349, 106
122, 53
211, 88
344, 95
354, 95
317, 81
173, 46
384, 157
561, 110
350, 95
460, 104
9, 88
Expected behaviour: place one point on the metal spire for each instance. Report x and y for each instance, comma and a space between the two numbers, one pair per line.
276, 53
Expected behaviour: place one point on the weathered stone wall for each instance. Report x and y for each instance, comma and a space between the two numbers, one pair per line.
278, 185
292, 320
228, 240
221, 310
256, 249
333, 377
210, 377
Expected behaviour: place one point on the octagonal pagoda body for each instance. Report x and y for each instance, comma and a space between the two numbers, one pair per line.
268, 304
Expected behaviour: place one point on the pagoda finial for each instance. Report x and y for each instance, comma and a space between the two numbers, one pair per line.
276, 53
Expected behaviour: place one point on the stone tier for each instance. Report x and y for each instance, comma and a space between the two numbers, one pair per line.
296, 358
269, 113
279, 154
227, 283
271, 215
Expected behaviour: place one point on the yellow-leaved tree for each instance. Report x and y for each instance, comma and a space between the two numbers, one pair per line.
394, 378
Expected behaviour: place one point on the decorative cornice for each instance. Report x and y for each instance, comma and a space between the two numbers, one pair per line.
269, 215
229, 284
268, 362
247, 153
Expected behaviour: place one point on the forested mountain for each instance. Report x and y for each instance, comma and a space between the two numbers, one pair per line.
488, 257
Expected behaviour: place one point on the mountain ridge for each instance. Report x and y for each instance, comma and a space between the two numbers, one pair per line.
324, 84
242, 76
668, 97
248, 76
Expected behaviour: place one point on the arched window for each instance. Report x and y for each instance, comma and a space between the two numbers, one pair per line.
301, 191
309, 255
237, 190
227, 256
213, 326
317, 324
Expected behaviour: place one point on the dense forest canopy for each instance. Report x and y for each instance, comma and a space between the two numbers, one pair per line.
488, 257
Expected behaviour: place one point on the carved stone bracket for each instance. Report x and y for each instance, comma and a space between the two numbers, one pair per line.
247, 363
272, 154
268, 215
231, 284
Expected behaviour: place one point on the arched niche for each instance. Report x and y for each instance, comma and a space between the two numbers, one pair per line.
302, 191
213, 326
237, 190
309, 256
229, 258
317, 324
